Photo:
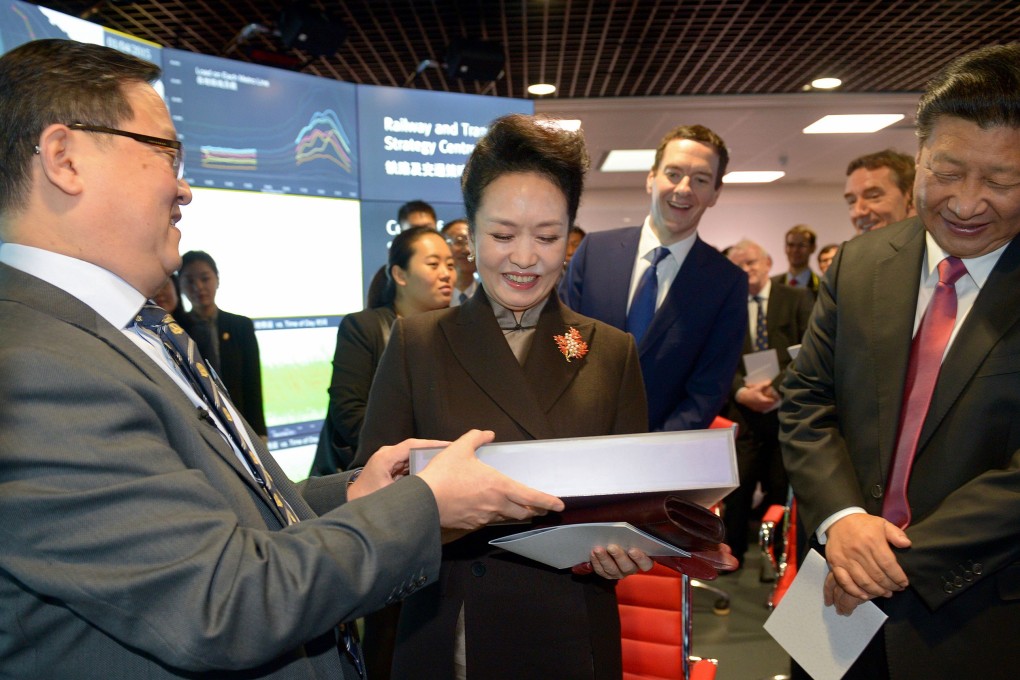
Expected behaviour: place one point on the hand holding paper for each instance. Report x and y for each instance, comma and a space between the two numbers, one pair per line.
824, 643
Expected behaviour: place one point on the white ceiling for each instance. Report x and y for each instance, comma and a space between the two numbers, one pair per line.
763, 132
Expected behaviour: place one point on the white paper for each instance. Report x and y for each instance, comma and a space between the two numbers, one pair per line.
824, 643
761, 366
697, 465
564, 546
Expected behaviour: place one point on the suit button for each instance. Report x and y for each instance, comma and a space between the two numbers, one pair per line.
968, 575
948, 587
876, 491
422, 580
958, 581
977, 568
477, 569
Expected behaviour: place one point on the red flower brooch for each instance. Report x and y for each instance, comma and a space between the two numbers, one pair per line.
571, 344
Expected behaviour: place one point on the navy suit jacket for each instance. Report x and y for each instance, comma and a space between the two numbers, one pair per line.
690, 352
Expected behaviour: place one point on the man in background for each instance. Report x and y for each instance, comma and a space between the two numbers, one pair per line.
899, 419
456, 234
825, 257
681, 299
800, 244
879, 190
155, 536
416, 214
777, 319
574, 238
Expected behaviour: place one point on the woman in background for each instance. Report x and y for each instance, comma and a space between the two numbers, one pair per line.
420, 276
514, 360
226, 341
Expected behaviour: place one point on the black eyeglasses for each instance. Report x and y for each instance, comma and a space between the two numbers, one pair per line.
170, 144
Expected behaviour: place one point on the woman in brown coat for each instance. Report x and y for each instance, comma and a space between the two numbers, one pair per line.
514, 360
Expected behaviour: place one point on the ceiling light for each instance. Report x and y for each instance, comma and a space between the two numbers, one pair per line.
869, 122
628, 160
752, 176
541, 88
826, 83
568, 124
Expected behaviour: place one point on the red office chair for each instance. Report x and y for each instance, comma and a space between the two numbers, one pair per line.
777, 538
721, 606
655, 621
655, 626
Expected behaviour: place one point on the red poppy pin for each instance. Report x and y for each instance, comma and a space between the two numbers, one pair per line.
571, 344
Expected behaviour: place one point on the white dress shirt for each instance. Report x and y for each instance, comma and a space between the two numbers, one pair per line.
116, 301
667, 269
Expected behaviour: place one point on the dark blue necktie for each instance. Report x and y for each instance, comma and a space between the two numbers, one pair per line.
761, 335
642, 307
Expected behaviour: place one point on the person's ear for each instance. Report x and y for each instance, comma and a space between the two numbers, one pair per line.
58, 153
399, 275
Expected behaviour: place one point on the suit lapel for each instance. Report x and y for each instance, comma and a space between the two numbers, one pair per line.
546, 367
481, 350
67, 309
624, 252
892, 323
992, 315
208, 430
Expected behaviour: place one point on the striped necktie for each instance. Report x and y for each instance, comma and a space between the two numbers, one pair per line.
184, 352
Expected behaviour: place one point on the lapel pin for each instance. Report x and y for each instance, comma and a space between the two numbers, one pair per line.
571, 344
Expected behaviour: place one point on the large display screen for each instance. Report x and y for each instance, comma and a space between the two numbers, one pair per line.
415, 143
252, 128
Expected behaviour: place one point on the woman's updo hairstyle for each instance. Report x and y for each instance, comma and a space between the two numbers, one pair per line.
520, 143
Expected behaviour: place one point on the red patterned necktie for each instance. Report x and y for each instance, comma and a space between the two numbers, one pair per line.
926, 353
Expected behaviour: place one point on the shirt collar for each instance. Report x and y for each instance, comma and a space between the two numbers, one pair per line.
764, 293
649, 242
508, 322
979, 268
110, 296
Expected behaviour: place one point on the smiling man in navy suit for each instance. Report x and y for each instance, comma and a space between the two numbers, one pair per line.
690, 348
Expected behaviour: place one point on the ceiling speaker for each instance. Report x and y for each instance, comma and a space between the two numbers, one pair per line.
470, 59
305, 28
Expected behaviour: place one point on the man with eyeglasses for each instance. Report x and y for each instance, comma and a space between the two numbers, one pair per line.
148, 532
456, 234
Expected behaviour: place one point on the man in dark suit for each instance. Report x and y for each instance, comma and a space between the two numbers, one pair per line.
777, 319
148, 536
899, 425
690, 348
801, 242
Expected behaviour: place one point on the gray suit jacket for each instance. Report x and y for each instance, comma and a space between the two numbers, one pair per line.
839, 421
134, 543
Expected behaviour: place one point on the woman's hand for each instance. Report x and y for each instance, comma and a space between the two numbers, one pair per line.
613, 562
